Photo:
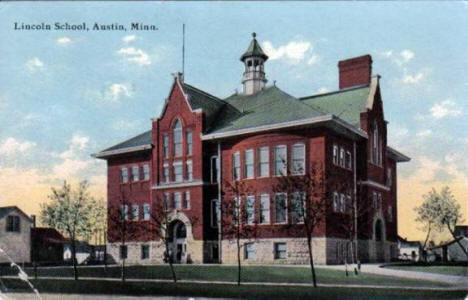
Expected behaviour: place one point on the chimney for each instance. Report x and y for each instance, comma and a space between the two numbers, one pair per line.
33, 218
355, 71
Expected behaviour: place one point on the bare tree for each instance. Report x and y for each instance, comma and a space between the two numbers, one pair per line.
237, 219
308, 200
69, 211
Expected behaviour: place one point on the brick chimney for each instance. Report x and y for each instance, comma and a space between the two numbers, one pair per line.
355, 71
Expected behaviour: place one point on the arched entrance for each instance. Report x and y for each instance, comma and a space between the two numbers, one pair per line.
177, 241
379, 240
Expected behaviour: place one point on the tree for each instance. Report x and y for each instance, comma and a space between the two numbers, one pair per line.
69, 211
308, 201
441, 211
98, 220
237, 217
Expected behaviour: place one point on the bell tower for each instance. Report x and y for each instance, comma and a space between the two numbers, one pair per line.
254, 59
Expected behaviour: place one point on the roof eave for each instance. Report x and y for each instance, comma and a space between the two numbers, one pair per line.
106, 154
397, 155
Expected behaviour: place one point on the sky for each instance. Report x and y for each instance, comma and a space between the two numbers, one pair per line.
67, 94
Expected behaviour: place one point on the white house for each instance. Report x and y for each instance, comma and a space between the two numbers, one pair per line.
409, 250
452, 251
15, 235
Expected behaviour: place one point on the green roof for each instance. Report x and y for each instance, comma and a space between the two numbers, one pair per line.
254, 50
139, 140
345, 104
269, 106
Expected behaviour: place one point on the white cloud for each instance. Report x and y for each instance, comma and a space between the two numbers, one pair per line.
413, 79
77, 144
135, 55
445, 108
293, 51
313, 60
13, 146
387, 53
63, 41
403, 57
116, 91
424, 133
407, 55
129, 38
34, 64
70, 167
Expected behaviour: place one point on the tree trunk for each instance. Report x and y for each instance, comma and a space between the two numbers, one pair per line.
458, 241
238, 262
427, 237
122, 270
73, 248
311, 260
171, 266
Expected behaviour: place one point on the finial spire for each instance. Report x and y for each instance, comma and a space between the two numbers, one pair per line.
254, 35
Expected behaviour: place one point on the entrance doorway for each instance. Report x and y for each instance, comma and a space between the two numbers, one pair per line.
177, 242
379, 241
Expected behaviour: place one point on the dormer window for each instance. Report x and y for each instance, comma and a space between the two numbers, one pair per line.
177, 133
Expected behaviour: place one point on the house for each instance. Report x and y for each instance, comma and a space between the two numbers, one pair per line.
451, 251
83, 250
15, 235
47, 245
409, 250
461, 230
200, 141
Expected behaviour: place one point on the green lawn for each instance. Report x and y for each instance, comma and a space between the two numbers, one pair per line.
446, 270
224, 290
229, 273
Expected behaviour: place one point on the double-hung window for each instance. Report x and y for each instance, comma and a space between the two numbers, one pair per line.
146, 211
166, 145
250, 209
166, 173
264, 209
167, 201
249, 164
13, 224
342, 157
335, 155
177, 200
135, 173
280, 250
342, 203
281, 209
389, 177
135, 212
374, 200
336, 202
178, 176
177, 133
263, 162
298, 159
144, 251
189, 170
124, 175
249, 252
187, 200
124, 212
146, 174
189, 137
349, 160
281, 160
298, 203
236, 166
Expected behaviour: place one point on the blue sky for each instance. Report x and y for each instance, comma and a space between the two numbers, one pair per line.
66, 94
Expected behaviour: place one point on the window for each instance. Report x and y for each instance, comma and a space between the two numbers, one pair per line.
135, 212
177, 200
166, 173
390, 213
336, 202
280, 208
389, 177
124, 212
376, 146
177, 132
166, 146
298, 205
146, 174
123, 252
342, 157
249, 251
13, 224
281, 160
379, 203
189, 170
342, 203
189, 142
349, 161
335, 155
214, 169
236, 208
167, 201
135, 173
124, 175
236, 166
178, 177
280, 250
298, 159
187, 200
144, 251
249, 164
146, 211
264, 209
374, 199
214, 213
250, 209
263, 162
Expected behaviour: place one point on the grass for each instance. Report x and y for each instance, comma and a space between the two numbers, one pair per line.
446, 270
229, 273
224, 290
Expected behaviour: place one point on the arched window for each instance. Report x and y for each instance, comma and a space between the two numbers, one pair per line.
177, 132
376, 145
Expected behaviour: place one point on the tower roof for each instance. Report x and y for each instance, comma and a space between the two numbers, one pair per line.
254, 49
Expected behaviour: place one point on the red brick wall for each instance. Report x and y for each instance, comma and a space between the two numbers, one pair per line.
355, 71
